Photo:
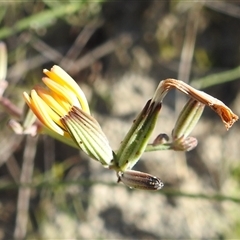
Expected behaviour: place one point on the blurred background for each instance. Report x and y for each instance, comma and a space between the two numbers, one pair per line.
118, 52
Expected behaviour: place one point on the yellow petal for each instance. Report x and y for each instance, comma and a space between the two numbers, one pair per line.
45, 114
59, 75
64, 103
30, 103
61, 91
51, 101
27, 98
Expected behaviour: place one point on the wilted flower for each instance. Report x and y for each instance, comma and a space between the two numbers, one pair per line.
63, 109
225, 113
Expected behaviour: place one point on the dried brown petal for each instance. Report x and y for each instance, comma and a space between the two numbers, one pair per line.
226, 114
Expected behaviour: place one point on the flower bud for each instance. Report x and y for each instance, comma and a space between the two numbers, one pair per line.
184, 144
88, 135
136, 140
63, 111
3, 61
187, 119
140, 180
160, 139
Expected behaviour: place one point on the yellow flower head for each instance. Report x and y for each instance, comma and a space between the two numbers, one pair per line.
63, 109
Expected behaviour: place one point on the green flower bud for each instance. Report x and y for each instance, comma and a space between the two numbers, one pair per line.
187, 119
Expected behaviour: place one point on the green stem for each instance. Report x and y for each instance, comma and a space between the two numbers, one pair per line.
217, 78
215, 197
167, 192
160, 147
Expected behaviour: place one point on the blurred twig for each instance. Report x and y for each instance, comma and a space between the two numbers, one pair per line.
40, 19
13, 168
18, 70
85, 61
224, 7
184, 72
188, 46
79, 44
187, 52
49, 153
10, 108
24, 193
47, 51
104, 49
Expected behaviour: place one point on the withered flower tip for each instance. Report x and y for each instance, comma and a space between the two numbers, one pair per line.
226, 114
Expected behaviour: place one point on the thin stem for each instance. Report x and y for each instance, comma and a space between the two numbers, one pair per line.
160, 147
167, 191
217, 78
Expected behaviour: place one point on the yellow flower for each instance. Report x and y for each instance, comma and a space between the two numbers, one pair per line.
63, 109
